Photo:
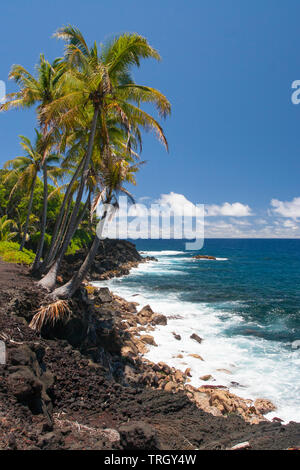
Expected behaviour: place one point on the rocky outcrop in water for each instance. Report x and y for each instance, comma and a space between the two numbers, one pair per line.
114, 258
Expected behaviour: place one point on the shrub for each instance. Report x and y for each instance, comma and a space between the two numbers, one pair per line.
8, 246
80, 240
34, 240
9, 252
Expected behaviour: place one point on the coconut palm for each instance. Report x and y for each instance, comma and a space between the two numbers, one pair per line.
99, 80
25, 169
26, 227
116, 172
37, 90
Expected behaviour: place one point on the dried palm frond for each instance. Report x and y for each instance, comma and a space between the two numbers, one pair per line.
52, 313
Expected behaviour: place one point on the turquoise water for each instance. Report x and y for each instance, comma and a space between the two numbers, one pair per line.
246, 306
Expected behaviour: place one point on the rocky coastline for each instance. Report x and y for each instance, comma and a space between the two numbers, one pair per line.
84, 383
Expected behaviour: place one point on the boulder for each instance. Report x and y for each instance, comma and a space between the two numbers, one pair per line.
127, 351
142, 320
197, 338
148, 339
146, 312
158, 319
104, 295
179, 376
141, 347
264, 406
170, 387
164, 368
176, 336
27, 380
207, 377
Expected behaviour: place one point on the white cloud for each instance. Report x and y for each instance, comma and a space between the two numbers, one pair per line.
289, 209
179, 204
221, 221
234, 210
290, 224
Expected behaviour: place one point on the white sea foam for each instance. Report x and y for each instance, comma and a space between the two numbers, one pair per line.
170, 253
264, 369
163, 253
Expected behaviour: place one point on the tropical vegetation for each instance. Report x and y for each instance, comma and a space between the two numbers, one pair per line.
88, 140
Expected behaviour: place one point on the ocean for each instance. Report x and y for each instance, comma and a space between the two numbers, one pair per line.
245, 306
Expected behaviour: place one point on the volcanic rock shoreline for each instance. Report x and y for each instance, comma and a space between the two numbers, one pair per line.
84, 383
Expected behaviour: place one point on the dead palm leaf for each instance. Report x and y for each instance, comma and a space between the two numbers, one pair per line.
51, 314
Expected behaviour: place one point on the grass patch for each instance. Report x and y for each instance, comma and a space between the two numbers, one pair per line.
9, 252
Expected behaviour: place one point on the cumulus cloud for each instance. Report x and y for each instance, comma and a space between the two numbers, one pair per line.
234, 210
290, 209
179, 204
290, 224
221, 221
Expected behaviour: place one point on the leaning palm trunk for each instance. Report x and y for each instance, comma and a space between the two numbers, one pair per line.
59, 236
49, 280
64, 229
28, 214
59, 222
67, 290
36, 263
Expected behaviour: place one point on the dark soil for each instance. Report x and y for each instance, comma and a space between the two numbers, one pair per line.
69, 388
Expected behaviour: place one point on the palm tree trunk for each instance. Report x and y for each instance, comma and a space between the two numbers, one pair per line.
59, 238
59, 221
49, 280
36, 263
78, 222
28, 214
61, 233
68, 289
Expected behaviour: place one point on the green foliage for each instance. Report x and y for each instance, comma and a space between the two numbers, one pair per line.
16, 207
81, 239
35, 238
89, 110
9, 252
8, 246
6, 226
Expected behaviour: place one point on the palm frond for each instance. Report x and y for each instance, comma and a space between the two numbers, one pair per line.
50, 314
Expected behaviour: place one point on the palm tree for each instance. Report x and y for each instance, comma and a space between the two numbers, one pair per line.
24, 226
115, 172
6, 225
41, 90
25, 170
100, 81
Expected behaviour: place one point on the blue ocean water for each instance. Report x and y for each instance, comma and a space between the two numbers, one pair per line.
245, 305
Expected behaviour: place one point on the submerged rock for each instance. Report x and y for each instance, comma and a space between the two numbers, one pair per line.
196, 338
207, 377
176, 336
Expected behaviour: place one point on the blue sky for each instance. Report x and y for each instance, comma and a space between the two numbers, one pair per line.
227, 68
